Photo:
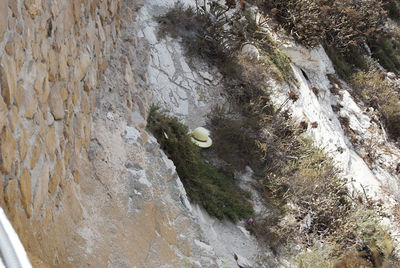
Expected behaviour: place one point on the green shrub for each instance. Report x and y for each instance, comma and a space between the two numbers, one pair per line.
204, 183
347, 63
342, 67
386, 54
393, 8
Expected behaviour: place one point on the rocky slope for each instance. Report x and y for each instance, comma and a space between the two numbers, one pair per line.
86, 185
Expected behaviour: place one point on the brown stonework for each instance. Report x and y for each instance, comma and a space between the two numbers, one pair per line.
19, 96
51, 142
37, 150
10, 48
3, 113
41, 189
3, 17
56, 104
26, 191
30, 105
8, 79
13, 117
8, 146
23, 145
11, 193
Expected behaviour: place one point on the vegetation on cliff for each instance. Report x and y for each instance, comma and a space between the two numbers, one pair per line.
307, 199
347, 29
205, 184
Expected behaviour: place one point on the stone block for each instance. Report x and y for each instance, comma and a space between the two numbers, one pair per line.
58, 175
8, 79
8, 146
11, 193
19, 54
64, 94
41, 189
37, 150
13, 117
26, 191
53, 65
40, 76
51, 142
68, 16
46, 91
30, 105
23, 145
3, 113
13, 5
56, 104
44, 50
3, 17
85, 103
33, 7
63, 67
9, 48
19, 96
83, 66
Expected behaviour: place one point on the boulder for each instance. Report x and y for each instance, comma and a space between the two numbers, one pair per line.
250, 51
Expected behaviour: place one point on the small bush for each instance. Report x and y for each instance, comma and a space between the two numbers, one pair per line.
219, 38
339, 23
343, 68
384, 51
393, 8
382, 96
204, 183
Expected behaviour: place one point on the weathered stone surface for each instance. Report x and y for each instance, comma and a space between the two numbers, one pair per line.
19, 54
58, 175
8, 79
13, 118
53, 65
33, 7
23, 145
68, 16
26, 191
251, 52
37, 149
63, 67
46, 91
3, 113
84, 103
19, 96
64, 94
44, 50
41, 75
56, 104
9, 48
41, 189
30, 105
8, 146
3, 17
11, 193
14, 8
83, 67
51, 142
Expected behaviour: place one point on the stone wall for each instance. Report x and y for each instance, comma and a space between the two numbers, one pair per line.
52, 56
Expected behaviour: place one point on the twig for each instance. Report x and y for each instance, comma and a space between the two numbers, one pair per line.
365, 194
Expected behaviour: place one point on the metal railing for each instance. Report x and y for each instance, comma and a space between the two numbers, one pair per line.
11, 248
